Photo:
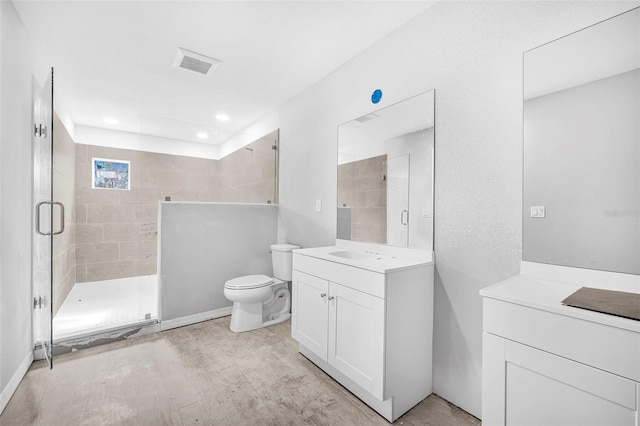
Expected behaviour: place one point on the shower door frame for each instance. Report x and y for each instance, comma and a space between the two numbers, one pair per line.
43, 219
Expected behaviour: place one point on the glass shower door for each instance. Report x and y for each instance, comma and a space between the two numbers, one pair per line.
398, 201
44, 207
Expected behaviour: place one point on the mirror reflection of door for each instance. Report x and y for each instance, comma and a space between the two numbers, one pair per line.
398, 201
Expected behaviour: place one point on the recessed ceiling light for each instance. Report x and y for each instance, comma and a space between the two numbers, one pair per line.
222, 117
110, 120
202, 135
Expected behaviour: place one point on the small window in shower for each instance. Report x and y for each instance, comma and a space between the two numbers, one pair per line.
110, 174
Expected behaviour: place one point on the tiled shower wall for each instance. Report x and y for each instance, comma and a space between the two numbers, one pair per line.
362, 186
248, 175
64, 248
116, 230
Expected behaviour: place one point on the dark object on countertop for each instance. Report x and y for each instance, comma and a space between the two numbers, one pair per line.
611, 302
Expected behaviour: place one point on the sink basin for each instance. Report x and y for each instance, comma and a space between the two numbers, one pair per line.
353, 255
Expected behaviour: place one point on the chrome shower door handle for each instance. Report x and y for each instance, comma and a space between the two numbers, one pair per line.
61, 217
50, 203
404, 217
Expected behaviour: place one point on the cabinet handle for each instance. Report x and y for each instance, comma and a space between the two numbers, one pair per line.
331, 297
323, 294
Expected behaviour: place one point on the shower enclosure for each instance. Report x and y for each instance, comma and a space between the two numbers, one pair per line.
95, 246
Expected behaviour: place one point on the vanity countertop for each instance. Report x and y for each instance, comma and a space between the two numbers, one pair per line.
375, 262
547, 295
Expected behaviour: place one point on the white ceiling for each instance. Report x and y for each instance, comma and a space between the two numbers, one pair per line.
114, 58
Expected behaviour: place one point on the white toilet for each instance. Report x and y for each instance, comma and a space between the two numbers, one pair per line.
258, 300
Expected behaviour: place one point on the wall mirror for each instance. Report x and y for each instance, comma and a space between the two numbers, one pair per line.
385, 175
582, 148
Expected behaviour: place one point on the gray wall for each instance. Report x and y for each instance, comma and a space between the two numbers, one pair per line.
16, 67
202, 245
471, 53
582, 162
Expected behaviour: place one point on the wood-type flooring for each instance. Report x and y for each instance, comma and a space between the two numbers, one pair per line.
202, 374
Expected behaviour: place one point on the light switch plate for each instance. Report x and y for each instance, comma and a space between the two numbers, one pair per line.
318, 206
538, 211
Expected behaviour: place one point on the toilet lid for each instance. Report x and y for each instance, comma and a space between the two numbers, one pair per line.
248, 281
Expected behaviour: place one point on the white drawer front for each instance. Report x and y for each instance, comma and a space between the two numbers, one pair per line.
545, 389
608, 348
363, 280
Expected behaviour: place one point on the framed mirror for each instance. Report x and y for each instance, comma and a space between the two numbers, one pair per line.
385, 175
582, 148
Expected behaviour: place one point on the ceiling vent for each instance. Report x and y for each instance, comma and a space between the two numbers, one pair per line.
196, 62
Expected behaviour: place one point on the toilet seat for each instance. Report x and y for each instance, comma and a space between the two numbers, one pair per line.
248, 282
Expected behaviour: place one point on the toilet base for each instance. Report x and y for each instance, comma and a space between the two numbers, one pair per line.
241, 326
251, 316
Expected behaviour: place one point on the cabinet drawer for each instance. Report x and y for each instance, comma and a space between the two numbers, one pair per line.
363, 280
608, 348
542, 386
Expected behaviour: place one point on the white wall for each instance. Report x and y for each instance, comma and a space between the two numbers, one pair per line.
471, 53
16, 64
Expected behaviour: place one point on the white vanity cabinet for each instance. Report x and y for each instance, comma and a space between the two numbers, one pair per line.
366, 323
548, 364
343, 327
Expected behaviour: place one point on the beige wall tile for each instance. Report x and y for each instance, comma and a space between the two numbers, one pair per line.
157, 161
129, 250
87, 195
110, 270
82, 155
110, 213
64, 157
147, 249
81, 213
362, 186
197, 166
83, 172
166, 180
81, 273
146, 267
262, 191
148, 231
347, 170
146, 213
94, 253
88, 233
118, 232
142, 195
370, 183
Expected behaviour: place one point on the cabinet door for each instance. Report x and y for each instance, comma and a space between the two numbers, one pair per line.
356, 337
539, 388
309, 312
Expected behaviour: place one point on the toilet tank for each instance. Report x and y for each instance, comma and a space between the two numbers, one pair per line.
282, 259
